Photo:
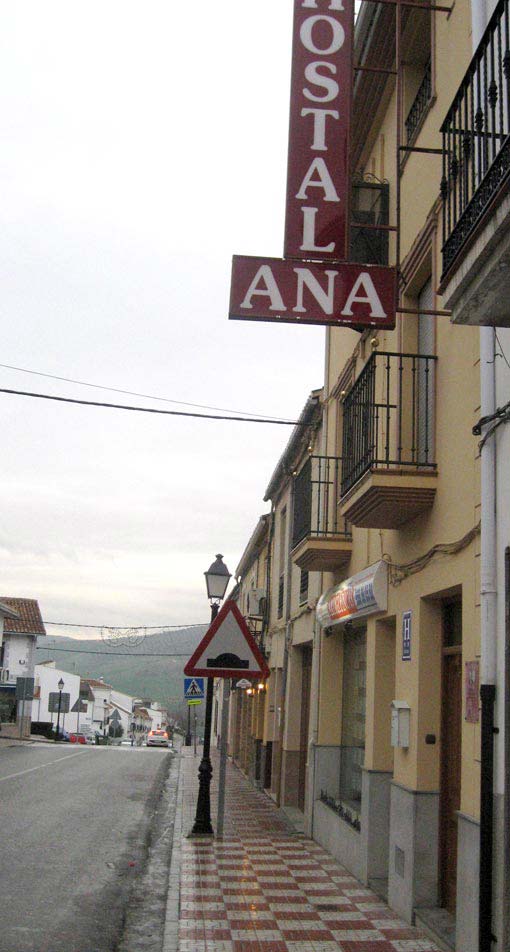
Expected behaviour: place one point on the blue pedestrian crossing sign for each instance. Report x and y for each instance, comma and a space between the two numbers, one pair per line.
193, 688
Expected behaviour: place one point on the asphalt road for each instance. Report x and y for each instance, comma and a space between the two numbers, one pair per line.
75, 825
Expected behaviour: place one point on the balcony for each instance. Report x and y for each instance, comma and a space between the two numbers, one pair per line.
321, 541
474, 186
388, 464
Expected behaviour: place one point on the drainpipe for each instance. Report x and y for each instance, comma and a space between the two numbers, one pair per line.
488, 598
315, 716
488, 603
506, 752
288, 628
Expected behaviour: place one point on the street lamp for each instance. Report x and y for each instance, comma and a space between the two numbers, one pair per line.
217, 578
60, 686
105, 714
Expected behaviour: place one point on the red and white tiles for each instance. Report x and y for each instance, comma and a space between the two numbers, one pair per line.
264, 888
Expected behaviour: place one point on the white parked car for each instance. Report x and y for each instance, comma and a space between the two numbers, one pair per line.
157, 738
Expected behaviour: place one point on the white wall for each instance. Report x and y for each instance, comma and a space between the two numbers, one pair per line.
123, 703
100, 695
47, 678
19, 656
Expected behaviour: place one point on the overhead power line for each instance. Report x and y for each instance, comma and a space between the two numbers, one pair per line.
76, 624
115, 654
133, 393
176, 413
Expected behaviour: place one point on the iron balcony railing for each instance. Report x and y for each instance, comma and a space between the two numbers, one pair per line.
316, 500
388, 418
419, 106
476, 141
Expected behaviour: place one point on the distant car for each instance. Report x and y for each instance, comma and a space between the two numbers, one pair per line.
157, 738
126, 743
77, 738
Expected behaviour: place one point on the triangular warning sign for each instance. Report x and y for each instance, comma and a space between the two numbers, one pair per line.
227, 649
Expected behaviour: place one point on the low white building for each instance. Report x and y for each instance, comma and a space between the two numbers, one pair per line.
22, 624
47, 678
101, 706
123, 704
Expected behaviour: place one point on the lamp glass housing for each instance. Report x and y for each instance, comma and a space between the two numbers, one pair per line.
60, 684
217, 578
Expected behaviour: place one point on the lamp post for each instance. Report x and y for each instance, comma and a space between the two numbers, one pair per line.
217, 578
105, 714
60, 686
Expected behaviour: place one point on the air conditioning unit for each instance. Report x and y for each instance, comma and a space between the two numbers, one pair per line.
4, 675
256, 602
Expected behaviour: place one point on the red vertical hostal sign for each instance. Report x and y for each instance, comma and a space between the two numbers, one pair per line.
318, 180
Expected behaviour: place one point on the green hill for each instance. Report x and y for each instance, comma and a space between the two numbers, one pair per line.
153, 669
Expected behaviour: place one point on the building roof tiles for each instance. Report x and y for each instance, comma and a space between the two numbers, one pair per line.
29, 620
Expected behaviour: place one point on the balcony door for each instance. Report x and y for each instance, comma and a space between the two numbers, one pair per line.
426, 384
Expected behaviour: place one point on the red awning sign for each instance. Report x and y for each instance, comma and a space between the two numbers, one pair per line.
227, 649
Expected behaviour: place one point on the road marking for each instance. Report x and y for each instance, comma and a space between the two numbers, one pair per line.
48, 763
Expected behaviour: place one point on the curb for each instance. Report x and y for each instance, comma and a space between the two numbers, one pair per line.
173, 905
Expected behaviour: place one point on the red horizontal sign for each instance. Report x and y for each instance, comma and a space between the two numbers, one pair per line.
312, 292
319, 129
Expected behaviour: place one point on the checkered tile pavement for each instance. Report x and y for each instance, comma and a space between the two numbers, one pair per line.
264, 888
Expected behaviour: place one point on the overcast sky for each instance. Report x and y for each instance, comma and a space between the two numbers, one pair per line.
143, 143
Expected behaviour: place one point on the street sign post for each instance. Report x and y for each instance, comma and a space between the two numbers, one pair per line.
24, 692
193, 688
53, 702
24, 689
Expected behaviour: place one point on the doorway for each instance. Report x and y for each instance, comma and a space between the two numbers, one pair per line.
451, 740
306, 685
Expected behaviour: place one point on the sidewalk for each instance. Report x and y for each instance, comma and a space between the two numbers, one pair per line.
265, 888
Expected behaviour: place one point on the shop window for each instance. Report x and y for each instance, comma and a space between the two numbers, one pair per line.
353, 717
7, 707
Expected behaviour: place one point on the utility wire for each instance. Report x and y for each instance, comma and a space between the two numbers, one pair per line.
131, 393
70, 624
177, 413
115, 654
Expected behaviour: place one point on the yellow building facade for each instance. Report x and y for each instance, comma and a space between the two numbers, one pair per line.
370, 720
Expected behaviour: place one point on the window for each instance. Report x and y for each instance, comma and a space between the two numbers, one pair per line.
281, 589
282, 560
418, 77
426, 329
303, 588
353, 717
369, 208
